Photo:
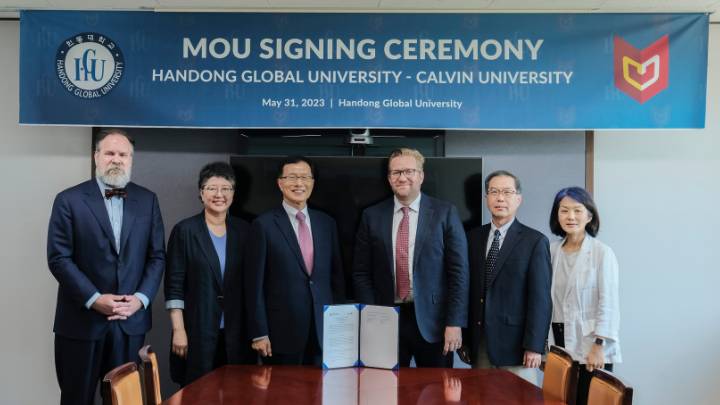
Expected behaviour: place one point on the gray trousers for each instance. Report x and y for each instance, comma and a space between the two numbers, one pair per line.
531, 375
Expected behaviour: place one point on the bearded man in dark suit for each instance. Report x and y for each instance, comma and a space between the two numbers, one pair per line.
106, 249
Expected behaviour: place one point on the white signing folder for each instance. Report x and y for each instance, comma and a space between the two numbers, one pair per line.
358, 335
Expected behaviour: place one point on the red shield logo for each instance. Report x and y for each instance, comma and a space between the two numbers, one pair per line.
642, 73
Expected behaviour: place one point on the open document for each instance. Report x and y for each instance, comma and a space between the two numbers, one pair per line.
358, 335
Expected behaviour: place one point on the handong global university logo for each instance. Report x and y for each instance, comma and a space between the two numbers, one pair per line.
89, 65
642, 73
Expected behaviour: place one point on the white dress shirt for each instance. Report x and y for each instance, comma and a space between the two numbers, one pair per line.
114, 207
503, 232
292, 211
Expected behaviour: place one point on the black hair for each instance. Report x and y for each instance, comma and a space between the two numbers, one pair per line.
580, 195
216, 169
295, 159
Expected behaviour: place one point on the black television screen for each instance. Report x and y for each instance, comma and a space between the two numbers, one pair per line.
346, 185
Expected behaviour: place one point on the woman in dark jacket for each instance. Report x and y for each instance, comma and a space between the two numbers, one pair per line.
203, 282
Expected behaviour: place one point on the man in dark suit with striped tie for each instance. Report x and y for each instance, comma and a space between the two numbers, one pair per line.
293, 269
411, 251
510, 276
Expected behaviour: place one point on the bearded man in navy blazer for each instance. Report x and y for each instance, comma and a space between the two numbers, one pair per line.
510, 275
411, 251
106, 249
293, 269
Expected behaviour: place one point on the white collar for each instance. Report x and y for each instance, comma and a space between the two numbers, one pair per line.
292, 211
414, 206
503, 229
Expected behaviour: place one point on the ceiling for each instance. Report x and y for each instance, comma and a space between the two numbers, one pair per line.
9, 8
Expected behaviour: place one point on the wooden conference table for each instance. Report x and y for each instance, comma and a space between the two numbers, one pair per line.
298, 385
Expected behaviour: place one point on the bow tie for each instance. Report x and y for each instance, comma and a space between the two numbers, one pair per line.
115, 192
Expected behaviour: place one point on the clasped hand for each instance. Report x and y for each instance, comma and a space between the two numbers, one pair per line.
117, 307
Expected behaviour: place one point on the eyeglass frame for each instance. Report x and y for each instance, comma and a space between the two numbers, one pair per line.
223, 190
507, 193
293, 178
408, 173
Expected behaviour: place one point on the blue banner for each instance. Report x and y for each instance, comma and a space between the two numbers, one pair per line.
446, 71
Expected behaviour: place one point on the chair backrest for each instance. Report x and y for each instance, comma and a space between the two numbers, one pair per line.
561, 375
121, 386
607, 389
151, 375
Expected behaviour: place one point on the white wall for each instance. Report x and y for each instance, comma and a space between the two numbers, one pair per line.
658, 195
544, 162
35, 163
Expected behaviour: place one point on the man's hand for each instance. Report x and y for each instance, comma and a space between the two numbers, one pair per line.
452, 388
261, 378
453, 339
179, 343
531, 359
107, 304
262, 346
126, 308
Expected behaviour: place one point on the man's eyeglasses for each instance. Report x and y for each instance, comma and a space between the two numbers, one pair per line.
215, 189
494, 192
292, 177
395, 174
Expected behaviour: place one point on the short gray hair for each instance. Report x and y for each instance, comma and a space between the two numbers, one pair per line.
113, 131
498, 173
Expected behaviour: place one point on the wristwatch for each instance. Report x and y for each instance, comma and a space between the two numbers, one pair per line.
599, 341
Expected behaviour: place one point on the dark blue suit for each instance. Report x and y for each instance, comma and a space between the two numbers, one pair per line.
440, 266
283, 302
82, 257
515, 314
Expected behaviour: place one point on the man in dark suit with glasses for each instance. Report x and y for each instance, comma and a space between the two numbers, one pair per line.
411, 251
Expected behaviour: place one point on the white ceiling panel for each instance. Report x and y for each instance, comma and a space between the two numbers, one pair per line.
102, 4
662, 5
590, 6
550, 5
435, 4
14, 5
211, 5
326, 4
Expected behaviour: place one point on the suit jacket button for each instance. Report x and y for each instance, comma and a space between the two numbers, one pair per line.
311, 282
482, 300
479, 323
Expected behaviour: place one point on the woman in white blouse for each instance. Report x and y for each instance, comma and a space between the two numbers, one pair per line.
586, 312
